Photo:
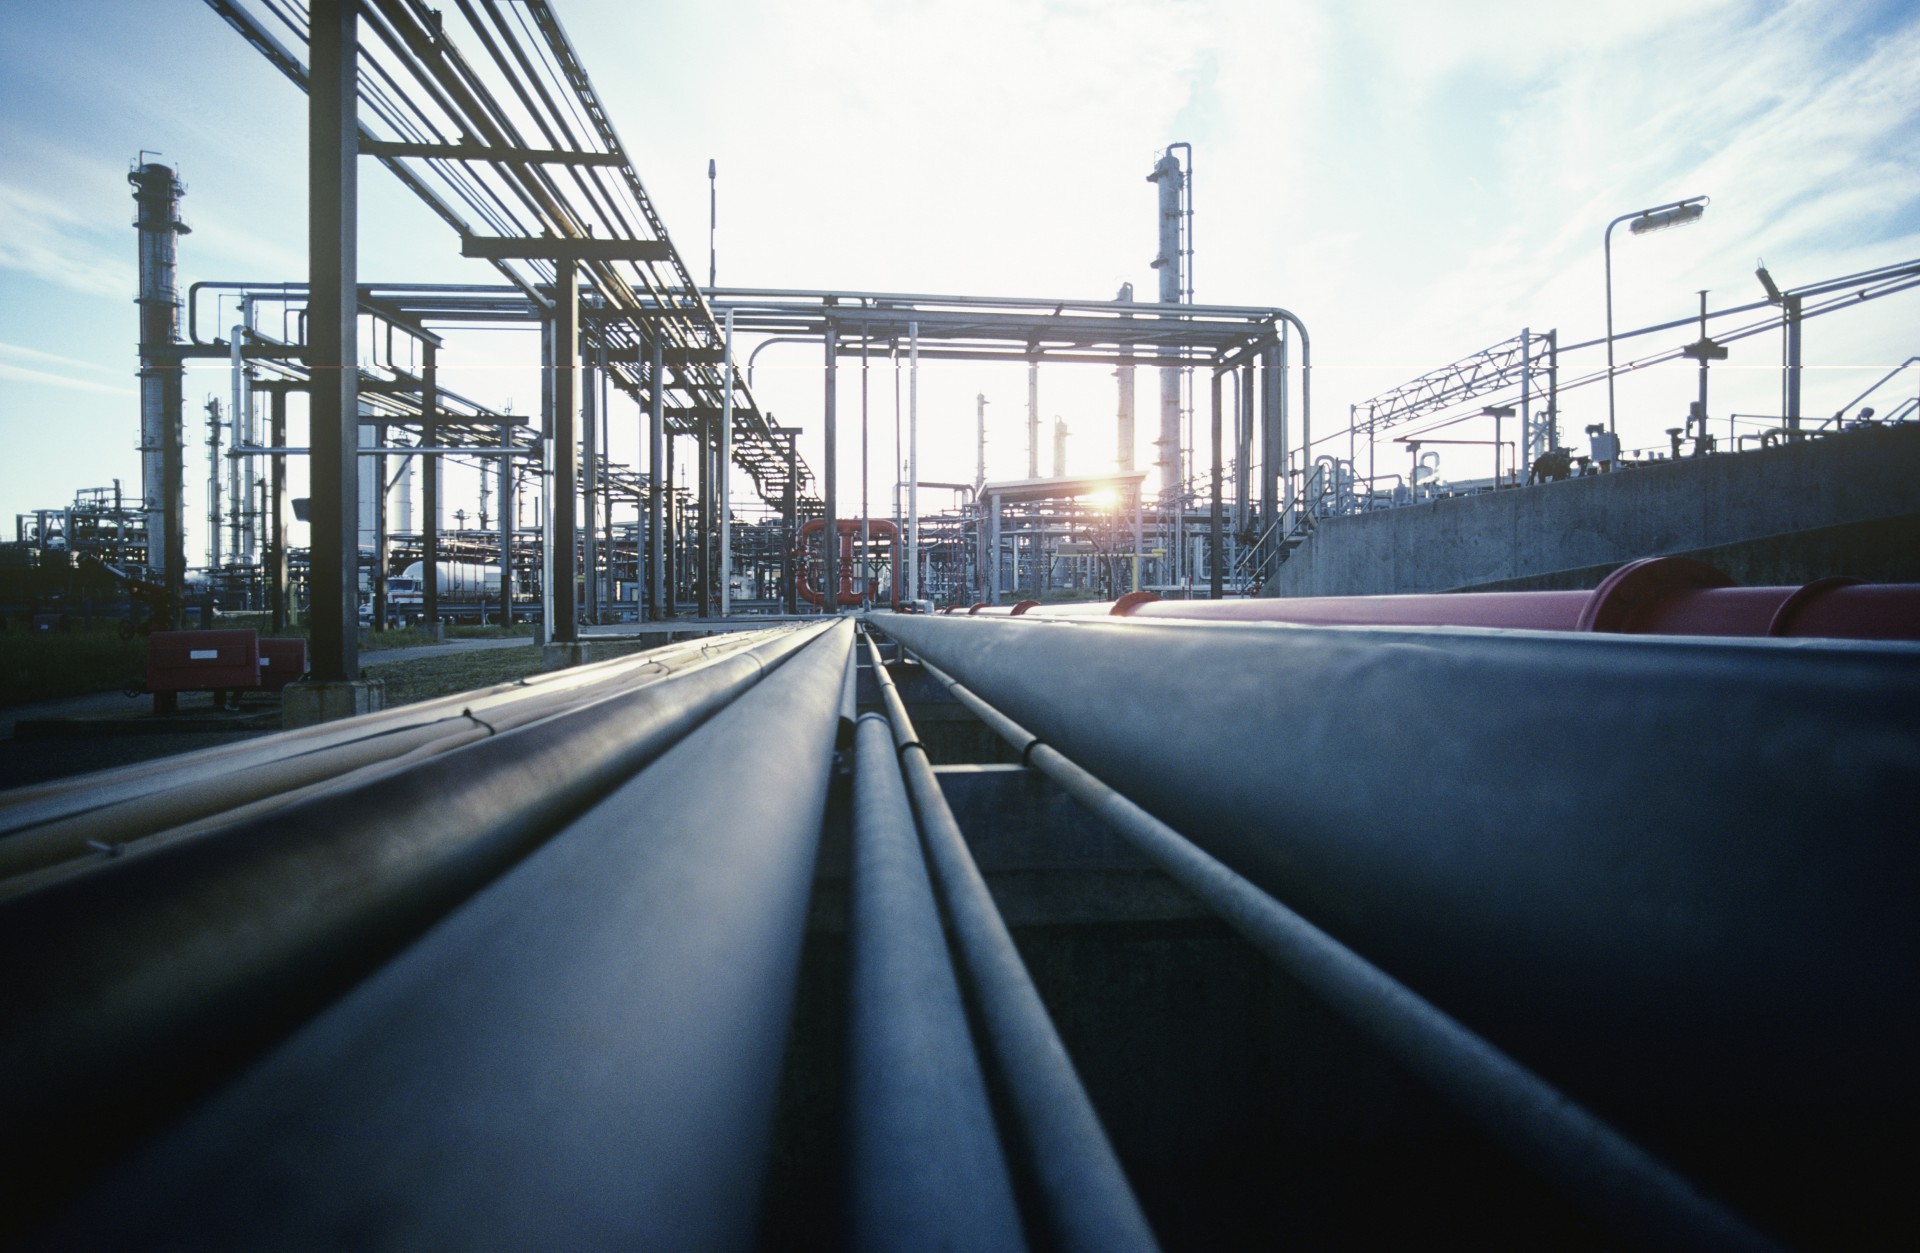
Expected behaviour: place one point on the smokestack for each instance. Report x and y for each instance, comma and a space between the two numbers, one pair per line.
1059, 448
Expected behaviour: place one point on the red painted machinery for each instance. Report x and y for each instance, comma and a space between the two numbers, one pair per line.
849, 564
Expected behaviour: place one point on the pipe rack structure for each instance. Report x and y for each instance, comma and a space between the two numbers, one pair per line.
488, 116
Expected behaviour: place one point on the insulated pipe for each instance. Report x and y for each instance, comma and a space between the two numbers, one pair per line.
602, 1075
24, 808
132, 989
926, 1165
135, 827
1086, 1202
1616, 1180
1653, 596
1687, 903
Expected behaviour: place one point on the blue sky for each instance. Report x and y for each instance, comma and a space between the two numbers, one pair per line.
1416, 180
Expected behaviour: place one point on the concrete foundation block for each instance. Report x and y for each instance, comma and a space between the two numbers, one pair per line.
304, 703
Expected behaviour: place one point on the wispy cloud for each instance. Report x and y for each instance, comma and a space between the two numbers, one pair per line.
50, 237
48, 378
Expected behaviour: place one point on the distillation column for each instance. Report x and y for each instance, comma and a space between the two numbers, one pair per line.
1171, 181
162, 470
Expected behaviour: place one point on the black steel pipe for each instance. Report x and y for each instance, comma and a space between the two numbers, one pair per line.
585, 1055
1087, 1203
93, 820
927, 1171
133, 988
1672, 876
1616, 1180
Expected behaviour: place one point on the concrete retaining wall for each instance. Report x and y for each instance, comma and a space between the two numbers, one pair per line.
1783, 515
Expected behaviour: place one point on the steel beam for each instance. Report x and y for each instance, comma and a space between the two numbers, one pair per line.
486, 152
430, 495
333, 652
574, 250
562, 557
658, 486
829, 543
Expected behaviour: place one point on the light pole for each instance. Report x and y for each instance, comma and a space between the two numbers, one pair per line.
1678, 213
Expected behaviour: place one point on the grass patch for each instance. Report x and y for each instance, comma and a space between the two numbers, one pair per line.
373, 641
36, 665
425, 678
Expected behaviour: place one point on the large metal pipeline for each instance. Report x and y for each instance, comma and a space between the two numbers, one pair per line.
926, 1167
1616, 1180
584, 1055
25, 807
1655, 596
122, 811
1675, 877
133, 987
1084, 1202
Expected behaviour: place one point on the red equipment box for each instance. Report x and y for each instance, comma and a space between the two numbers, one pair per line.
281, 662
202, 661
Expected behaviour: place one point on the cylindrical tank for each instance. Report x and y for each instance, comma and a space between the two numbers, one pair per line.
460, 582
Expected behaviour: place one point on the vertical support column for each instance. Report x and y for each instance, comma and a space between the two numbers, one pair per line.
1033, 419
562, 560
504, 506
789, 591
671, 537
378, 577
1123, 377
277, 511
610, 585
1553, 388
1243, 423
1216, 549
657, 484
703, 515
1790, 316
430, 503
1527, 440
866, 477
726, 475
913, 460
332, 342
993, 548
590, 480
830, 537
1272, 437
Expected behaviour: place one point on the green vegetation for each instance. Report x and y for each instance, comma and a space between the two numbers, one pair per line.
373, 641
42, 665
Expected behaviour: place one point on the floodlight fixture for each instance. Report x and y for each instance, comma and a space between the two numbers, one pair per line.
1673, 215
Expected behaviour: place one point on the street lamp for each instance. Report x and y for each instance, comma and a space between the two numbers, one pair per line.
1658, 218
